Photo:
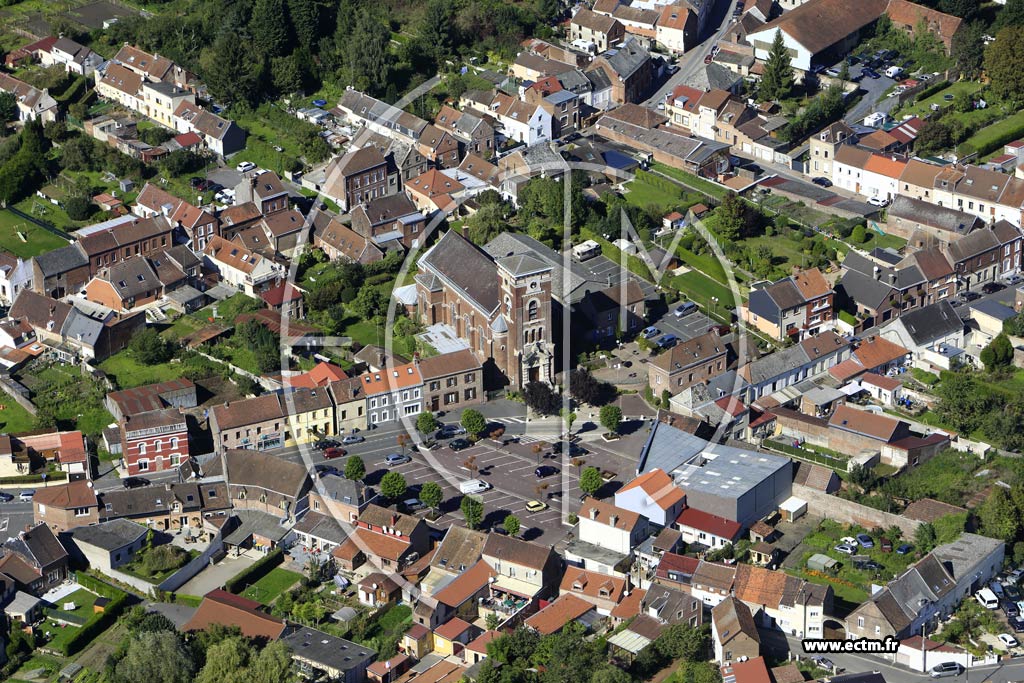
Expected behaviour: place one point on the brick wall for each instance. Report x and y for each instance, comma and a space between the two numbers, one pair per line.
821, 504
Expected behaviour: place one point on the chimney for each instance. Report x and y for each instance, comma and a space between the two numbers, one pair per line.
613, 519
892, 278
593, 513
878, 273
465, 232
394, 518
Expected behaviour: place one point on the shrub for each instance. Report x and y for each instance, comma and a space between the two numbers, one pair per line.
254, 572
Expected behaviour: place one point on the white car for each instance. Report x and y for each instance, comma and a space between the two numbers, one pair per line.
245, 167
848, 540
474, 486
1007, 640
878, 201
845, 549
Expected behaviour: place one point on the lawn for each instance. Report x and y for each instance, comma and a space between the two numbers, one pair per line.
700, 288
38, 661
36, 240
14, 418
999, 132
83, 600
126, 372
690, 180
705, 263
643, 195
267, 589
923, 107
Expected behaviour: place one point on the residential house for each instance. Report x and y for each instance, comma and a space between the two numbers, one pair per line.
35, 559
265, 190
823, 147
451, 380
438, 146
265, 483
596, 31
138, 237
615, 312
654, 496
107, 545
160, 101
66, 506
174, 507
795, 307
239, 267
522, 570
340, 242
154, 441
179, 393
687, 363
218, 134
677, 28
563, 105
734, 632
380, 117
386, 221
778, 600
251, 423
517, 120
808, 358
32, 103
340, 498
474, 132
629, 69
393, 393
59, 272
153, 67
349, 405
390, 538
15, 275
359, 176
606, 538
707, 529
909, 16
932, 587
712, 583
924, 224
75, 58
879, 292
194, 225
933, 335
126, 285
222, 608
604, 592
560, 613
985, 255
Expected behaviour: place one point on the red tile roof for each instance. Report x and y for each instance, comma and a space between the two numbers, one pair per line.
712, 524
227, 609
659, 486
555, 616
452, 629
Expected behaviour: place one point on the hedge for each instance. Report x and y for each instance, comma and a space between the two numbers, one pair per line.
97, 623
992, 137
102, 588
34, 478
254, 572
67, 617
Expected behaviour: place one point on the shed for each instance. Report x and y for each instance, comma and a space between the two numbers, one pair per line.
821, 563
793, 508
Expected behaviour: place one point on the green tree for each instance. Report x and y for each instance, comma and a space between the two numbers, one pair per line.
948, 528
511, 525
925, 538
682, 641
269, 27
431, 495
230, 71
155, 657
1014, 326
859, 235
8, 107
273, 664
286, 75
1003, 58
370, 303
777, 79
998, 354
733, 216
487, 223
436, 30
968, 49
541, 398
998, 515
426, 422
611, 416
590, 480
393, 486
472, 510
150, 348
355, 469
306, 18
1012, 14
473, 421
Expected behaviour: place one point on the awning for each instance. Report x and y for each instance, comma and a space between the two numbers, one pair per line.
851, 389
631, 642
508, 584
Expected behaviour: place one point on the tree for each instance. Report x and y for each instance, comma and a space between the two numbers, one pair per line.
269, 27
8, 107
998, 354
306, 17
273, 664
590, 481
948, 528
511, 525
924, 537
611, 416
393, 486
473, 421
150, 348
998, 515
229, 69
541, 398
682, 641
431, 495
965, 9
370, 303
968, 49
777, 79
403, 440
1014, 326
586, 388
155, 657
436, 30
355, 469
487, 223
182, 162
1012, 14
78, 208
1003, 58
733, 217
473, 510
859, 235
286, 75
426, 423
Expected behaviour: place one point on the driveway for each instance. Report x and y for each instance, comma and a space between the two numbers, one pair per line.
871, 99
215, 576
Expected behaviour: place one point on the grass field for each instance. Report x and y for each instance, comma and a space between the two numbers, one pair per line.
643, 195
691, 180
272, 585
923, 108
37, 240
700, 288
14, 418
1011, 127
128, 373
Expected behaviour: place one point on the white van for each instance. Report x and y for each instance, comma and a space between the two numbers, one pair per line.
474, 486
894, 72
987, 599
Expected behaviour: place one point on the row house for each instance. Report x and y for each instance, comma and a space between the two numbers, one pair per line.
474, 132
517, 120
380, 117
139, 237
15, 275
349, 399
33, 104
239, 267
985, 255
823, 146
868, 174
404, 160
606, 537
74, 57
389, 538
451, 381
154, 441
388, 220
795, 307
340, 242
265, 190
125, 285
262, 483
35, 559
630, 70
393, 393
253, 424
687, 363
218, 134
159, 101
66, 506
194, 225
924, 224
154, 68
878, 292
359, 176
563, 105
596, 32
438, 146
677, 29
808, 358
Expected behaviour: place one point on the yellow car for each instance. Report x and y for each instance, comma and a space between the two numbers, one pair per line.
536, 506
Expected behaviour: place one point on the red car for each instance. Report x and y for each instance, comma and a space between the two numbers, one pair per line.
709, 58
332, 453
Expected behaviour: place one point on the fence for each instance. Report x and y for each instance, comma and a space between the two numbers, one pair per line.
829, 461
821, 504
42, 224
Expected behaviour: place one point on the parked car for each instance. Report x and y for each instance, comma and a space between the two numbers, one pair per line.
668, 341
992, 287
845, 549
871, 73
1016, 623
545, 471
453, 430
968, 295
685, 308
27, 495
351, 439
324, 444
886, 545
822, 181
396, 459
5, 497
1007, 640
1009, 608
334, 452
474, 486
865, 541
650, 332
870, 565
833, 72
135, 482
878, 201
412, 504
1014, 279
459, 444
536, 506
823, 663
996, 588
709, 58
245, 167
946, 669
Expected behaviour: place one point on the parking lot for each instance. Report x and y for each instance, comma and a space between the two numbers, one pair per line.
686, 327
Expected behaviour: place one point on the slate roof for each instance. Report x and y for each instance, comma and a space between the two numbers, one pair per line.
516, 550
111, 535
931, 322
61, 260
466, 267
939, 217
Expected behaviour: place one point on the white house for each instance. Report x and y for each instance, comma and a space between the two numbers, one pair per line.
653, 495
606, 537
75, 58
808, 358
932, 329
393, 393
239, 267
15, 275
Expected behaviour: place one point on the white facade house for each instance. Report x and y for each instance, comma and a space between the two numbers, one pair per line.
393, 393
610, 527
15, 275
245, 270
653, 495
